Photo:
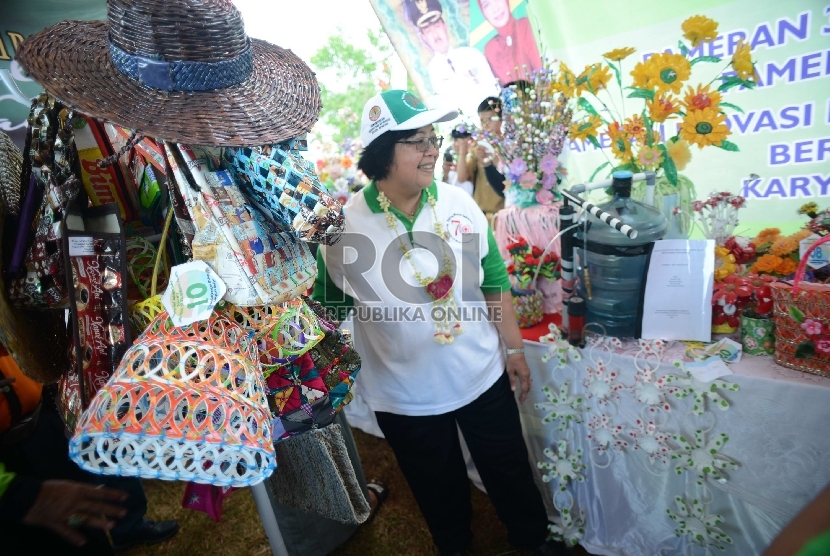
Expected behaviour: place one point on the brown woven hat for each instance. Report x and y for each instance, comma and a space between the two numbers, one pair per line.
178, 70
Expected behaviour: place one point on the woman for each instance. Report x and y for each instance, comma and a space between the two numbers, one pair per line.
432, 360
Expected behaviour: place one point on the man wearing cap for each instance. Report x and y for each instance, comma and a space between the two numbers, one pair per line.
459, 76
414, 253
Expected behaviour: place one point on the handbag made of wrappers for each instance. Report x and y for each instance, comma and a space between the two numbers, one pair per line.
36, 274
259, 264
286, 188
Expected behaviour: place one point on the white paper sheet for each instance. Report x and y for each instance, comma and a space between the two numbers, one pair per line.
678, 296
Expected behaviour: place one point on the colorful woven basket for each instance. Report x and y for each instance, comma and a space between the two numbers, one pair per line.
802, 321
186, 404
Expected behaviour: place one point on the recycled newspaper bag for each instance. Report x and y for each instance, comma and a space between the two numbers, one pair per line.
285, 187
186, 404
260, 264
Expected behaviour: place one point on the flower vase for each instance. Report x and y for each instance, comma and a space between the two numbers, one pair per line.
757, 335
674, 201
528, 306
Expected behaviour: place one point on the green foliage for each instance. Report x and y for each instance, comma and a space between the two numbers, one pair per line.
728, 146
640, 93
796, 313
712, 59
668, 165
363, 72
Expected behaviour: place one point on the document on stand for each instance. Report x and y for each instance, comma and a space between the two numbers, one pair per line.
678, 296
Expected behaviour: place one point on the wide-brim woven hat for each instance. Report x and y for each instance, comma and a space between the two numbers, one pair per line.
177, 70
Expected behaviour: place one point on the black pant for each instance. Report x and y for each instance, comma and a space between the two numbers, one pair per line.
428, 451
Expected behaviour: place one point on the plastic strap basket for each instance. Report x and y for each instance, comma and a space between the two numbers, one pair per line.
185, 404
794, 303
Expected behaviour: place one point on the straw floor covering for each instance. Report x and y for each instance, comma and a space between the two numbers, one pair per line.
398, 530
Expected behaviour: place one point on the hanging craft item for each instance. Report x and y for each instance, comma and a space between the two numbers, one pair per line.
259, 264
35, 339
526, 265
36, 270
186, 404
144, 312
141, 258
285, 187
96, 266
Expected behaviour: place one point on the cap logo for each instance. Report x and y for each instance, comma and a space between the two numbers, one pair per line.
422, 6
374, 113
413, 102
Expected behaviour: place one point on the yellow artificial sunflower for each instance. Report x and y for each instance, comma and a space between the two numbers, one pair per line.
679, 153
619, 54
649, 157
700, 98
642, 75
666, 72
566, 84
580, 131
635, 128
699, 28
593, 78
662, 108
724, 263
704, 127
620, 142
742, 62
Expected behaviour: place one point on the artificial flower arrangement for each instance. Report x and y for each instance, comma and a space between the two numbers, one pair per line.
535, 124
637, 140
525, 259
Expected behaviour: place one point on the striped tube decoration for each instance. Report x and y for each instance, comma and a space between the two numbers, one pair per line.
603, 216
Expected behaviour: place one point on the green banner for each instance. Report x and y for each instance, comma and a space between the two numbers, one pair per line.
781, 126
20, 19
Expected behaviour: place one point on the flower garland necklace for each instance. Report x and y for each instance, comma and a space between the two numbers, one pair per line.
440, 288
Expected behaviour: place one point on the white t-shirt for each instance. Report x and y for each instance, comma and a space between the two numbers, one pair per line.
405, 371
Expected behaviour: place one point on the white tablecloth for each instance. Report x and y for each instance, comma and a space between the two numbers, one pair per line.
778, 428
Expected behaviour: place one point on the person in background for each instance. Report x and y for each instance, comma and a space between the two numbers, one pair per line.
46, 501
480, 157
512, 53
808, 534
426, 378
457, 75
460, 136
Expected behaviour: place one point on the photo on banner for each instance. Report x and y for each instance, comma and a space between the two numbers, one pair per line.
502, 31
432, 39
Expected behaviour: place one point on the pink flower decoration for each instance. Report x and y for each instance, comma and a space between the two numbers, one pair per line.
823, 344
549, 181
811, 327
544, 197
518, 167
549, 163
528, 180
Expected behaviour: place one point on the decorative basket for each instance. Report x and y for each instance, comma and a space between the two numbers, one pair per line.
802, 321
528, 305
185, 404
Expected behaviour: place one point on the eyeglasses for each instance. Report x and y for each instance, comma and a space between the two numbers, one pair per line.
422, 145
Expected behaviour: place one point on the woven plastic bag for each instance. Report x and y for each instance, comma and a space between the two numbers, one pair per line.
286, 188
802, 321
316, 475
528, 306
187, 404
259, 264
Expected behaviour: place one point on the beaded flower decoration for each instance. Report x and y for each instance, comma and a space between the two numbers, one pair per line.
440, 288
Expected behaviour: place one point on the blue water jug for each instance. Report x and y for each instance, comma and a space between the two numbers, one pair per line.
615, 265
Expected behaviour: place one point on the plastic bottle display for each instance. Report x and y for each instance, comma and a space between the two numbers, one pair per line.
614, 284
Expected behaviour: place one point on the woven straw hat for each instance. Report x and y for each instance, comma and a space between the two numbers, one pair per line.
177, 70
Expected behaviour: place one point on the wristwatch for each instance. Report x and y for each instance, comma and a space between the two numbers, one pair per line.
515, 351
